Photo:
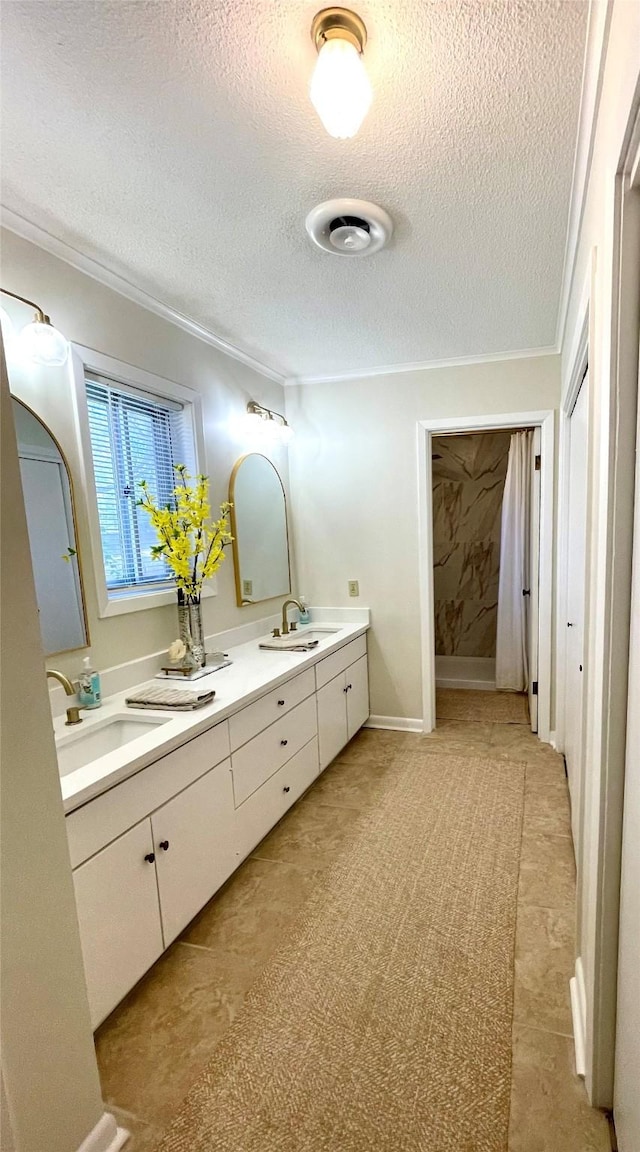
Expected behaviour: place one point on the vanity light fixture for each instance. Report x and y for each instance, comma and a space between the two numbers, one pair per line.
40, 341
268, 424
340, 90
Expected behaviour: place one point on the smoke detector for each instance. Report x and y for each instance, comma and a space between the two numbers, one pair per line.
347, 227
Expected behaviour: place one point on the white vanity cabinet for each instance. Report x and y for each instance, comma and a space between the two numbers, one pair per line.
343, 698
148, 853
137, 887
119, 917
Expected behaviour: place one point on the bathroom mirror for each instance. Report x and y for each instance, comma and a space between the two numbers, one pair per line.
51, 523
259, 529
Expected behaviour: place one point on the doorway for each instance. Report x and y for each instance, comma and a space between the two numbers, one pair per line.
434, 612
578, 434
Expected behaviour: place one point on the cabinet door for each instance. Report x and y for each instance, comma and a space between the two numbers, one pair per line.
117, 901
357, 696
332, 719
193, 839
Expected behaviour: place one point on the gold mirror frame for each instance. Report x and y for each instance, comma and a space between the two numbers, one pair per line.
72, 495
240, 600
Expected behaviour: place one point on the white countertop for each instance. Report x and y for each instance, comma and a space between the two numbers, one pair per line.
254, 672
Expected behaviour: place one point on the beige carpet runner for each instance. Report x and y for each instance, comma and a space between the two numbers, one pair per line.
384, 1022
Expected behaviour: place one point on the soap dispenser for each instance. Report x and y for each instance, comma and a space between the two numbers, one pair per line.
303, 615
89, 693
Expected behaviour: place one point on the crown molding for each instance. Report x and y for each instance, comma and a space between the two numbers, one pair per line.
42, 239
424, 365
599, 21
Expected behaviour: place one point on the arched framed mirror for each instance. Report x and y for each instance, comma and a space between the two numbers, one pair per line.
53, 536
259, 530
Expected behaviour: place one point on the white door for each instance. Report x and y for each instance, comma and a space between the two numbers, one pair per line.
626, 1104
117, 902
357, 696
534, 577
193, 839
576, 574
332, 719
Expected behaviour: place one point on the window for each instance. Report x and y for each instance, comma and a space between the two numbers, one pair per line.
134, 435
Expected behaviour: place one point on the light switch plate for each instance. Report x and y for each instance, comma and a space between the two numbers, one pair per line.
354, 588
247, 587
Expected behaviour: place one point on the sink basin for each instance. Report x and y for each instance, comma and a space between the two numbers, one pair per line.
75, 749
298, 638
315, 633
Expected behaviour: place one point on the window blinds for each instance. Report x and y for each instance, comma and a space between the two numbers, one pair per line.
134, 436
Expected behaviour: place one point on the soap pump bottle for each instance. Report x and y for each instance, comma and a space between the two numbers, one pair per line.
89, 693
303, 617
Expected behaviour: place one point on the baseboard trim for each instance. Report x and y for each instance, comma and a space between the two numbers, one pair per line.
395, 723
579, 1015
106, 1136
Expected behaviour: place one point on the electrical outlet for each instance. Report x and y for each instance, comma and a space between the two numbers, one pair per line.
247, 587
354, 588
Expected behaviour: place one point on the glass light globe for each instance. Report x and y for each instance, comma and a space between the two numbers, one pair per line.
340, 90
44, 344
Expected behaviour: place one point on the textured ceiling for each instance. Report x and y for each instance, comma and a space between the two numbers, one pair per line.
175, 143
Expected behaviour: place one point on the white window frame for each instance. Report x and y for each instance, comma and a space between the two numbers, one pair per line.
82, 361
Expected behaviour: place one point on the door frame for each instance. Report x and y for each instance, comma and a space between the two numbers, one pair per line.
498, 422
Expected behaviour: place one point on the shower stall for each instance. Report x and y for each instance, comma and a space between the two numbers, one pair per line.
469, 474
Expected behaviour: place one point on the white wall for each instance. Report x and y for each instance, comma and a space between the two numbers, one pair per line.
354, 476
604, 744
49, 1071
95, 316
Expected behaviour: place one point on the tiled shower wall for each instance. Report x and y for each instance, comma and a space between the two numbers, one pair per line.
468, 482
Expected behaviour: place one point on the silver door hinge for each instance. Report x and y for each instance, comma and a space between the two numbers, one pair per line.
538, 463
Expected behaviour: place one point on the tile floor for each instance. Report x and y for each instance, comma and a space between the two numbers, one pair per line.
154, 1045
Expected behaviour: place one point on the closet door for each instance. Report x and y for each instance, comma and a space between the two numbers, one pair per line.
534, 578
576, 578
626, 1099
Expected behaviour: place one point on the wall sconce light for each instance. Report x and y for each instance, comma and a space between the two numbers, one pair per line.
340, 90
269, 425
40, 341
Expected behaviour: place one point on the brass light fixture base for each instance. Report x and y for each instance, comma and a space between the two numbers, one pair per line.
338, 24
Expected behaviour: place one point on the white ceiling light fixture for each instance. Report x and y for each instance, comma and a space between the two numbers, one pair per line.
348, 227
40, 341
340, 90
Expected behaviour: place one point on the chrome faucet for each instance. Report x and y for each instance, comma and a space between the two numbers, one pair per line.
73, 713
285, 622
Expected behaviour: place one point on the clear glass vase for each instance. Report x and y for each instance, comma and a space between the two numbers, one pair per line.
191, 632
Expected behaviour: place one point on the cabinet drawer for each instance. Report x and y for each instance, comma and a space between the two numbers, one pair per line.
261, 811
99, 822
337, 662
256, 761
256, 717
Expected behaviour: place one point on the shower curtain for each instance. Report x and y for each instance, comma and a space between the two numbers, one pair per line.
512, 673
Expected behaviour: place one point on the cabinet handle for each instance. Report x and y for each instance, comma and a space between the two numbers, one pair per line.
345, 689
150, 857
164, 844
287, 788
280, 703
284, 742
349, 687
